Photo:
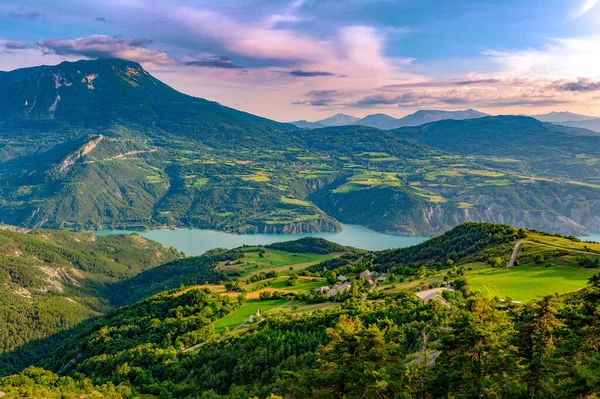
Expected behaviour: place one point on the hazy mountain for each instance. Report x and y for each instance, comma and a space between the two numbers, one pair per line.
426, 116
386, 122
338, 120
304, 124
554, 117
335, 120
593, 125
501, 136
379, 121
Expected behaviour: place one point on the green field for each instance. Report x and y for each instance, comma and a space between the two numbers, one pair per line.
272, 260
304, 284
524, 283
241, 315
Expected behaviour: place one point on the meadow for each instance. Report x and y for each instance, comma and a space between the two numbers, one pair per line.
524, 283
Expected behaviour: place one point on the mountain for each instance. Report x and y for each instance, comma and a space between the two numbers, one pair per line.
591, 125
338, 120
386, 122
555, 117
303, 124
53, 280
335, 120
178, 343
8, 78
570, 119
102, 144
425, 116
501, 136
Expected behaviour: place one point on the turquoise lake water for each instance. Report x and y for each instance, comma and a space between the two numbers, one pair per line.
198, 241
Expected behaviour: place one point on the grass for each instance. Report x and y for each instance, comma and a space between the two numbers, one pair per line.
275, 260
200, 182
304, 284
431, 176
486, 173
564, 242
256, 178
303, 307
243, 312
524, 283
154, 179
294, 201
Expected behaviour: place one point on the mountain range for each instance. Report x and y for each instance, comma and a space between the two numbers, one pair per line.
102, 144
386, 122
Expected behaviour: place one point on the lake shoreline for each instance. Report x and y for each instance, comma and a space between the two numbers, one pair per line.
197, 241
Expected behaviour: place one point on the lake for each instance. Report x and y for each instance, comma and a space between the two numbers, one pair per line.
198, 241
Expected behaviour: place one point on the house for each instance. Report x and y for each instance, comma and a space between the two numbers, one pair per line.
339, 288
322, 290
342, 278
370, 281
433, 294
380, 279
366, 274
251, 318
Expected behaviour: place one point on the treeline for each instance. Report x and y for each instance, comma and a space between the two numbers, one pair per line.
312, 245
459, 243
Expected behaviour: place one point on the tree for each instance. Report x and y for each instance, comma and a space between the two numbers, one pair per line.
537, 340
539, 259
293, 279
476, 359
359, 362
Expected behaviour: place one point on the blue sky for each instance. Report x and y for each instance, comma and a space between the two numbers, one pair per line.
307, 59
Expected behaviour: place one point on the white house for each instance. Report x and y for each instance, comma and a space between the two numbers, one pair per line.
366, 274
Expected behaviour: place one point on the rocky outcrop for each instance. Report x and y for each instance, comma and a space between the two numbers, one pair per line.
305, 226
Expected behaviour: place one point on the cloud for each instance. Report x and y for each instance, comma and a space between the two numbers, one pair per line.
321, 98
103, 46
213, 62
586, 7
100, 19
581, 85
33, 14
308, 74
14, 45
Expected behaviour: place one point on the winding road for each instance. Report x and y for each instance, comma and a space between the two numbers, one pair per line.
511, 263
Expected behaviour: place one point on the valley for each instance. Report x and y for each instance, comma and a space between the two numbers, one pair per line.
154, 158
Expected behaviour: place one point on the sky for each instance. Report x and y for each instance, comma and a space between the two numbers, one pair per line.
309, 59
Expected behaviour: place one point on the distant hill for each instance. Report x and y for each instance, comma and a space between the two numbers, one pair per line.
555, 117
303, 124
500, 135
385, 122
52, 280
335, 120
339, 120
591, 125
572, 120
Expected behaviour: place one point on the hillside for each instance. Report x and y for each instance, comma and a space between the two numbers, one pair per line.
147, 156
178, 343
53, 280
421, 117
222, 265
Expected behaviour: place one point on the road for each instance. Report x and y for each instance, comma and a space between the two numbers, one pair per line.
511, 263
